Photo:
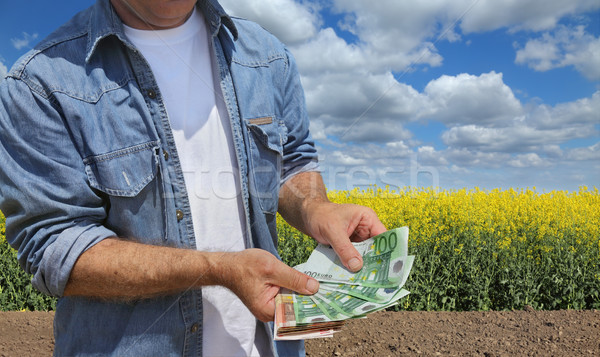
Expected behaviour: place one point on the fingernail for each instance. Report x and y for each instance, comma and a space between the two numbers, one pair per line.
354, 264
312, 285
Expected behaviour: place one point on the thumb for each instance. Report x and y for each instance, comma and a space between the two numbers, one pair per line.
294, 280
348, 255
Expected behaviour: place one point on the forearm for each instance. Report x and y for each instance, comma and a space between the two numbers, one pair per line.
296, 197
304, 204
121, 269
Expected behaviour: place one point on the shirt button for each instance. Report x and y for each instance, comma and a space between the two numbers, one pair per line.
151, 94
166, 155
179, 214
194, 328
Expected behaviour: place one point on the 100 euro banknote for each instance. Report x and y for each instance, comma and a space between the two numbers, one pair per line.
384, 257
378, 295
345, 295
299, 317
352, 306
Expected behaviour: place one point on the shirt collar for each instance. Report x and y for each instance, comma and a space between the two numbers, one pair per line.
215, 17
105, 22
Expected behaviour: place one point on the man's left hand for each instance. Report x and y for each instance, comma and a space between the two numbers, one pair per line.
303, 203
340, 224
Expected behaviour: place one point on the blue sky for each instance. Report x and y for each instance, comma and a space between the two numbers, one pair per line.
452, 93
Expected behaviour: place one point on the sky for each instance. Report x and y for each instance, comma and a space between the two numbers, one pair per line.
447, 94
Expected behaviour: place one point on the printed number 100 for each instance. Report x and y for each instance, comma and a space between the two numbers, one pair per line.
386, 243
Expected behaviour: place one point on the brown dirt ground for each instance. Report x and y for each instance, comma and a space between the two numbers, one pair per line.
506, 333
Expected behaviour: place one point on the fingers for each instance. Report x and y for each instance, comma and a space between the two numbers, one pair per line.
294, 280
348, 255
256, 276
362, 224
269, 270
265, 310
281, 275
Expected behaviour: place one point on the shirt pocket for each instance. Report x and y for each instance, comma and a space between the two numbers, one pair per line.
123, 172
128, 179
265, 161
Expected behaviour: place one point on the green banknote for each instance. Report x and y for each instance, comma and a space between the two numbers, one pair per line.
342, 294
307, 311
379, 295
383, 256
328, 310
353, 306
291, 309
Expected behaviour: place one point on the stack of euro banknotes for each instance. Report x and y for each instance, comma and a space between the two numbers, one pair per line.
342, 294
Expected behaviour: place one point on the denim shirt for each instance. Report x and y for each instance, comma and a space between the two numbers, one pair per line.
87, 153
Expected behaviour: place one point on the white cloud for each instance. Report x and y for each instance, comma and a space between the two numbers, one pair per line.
481, 128
552, 151
398, 34
24, 41
333, 53
517, 138
488, 15
585, 153
462, 157
364, 107
395, 35
481, 113
466, 98
398, 145
343, 159
317, 130
290, 21
563, 47
581, 112
523, 144
528, 160
429, 156
370, 154
351, 92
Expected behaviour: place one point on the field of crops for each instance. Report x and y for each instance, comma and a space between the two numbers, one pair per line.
487, 250
475, 249
16, 292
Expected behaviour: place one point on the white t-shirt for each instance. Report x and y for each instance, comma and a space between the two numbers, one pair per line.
181, 60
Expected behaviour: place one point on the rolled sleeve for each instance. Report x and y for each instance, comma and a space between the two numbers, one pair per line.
52, 214
299, 153
290, 172
58, 258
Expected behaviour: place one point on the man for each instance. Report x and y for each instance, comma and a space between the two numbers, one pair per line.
145, 148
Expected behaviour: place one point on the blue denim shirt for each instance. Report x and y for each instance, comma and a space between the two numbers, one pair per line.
86, 153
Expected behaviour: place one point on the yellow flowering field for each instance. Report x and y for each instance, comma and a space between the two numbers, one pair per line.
481, 250
475, 249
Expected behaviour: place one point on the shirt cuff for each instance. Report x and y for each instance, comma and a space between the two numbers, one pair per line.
312, 165
60, 256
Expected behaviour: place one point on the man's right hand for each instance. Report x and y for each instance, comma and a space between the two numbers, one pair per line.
255, 276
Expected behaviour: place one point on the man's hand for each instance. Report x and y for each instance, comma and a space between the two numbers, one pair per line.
303, 203
340, 224
255, 276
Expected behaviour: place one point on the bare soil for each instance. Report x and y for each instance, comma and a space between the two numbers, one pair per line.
505, 333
